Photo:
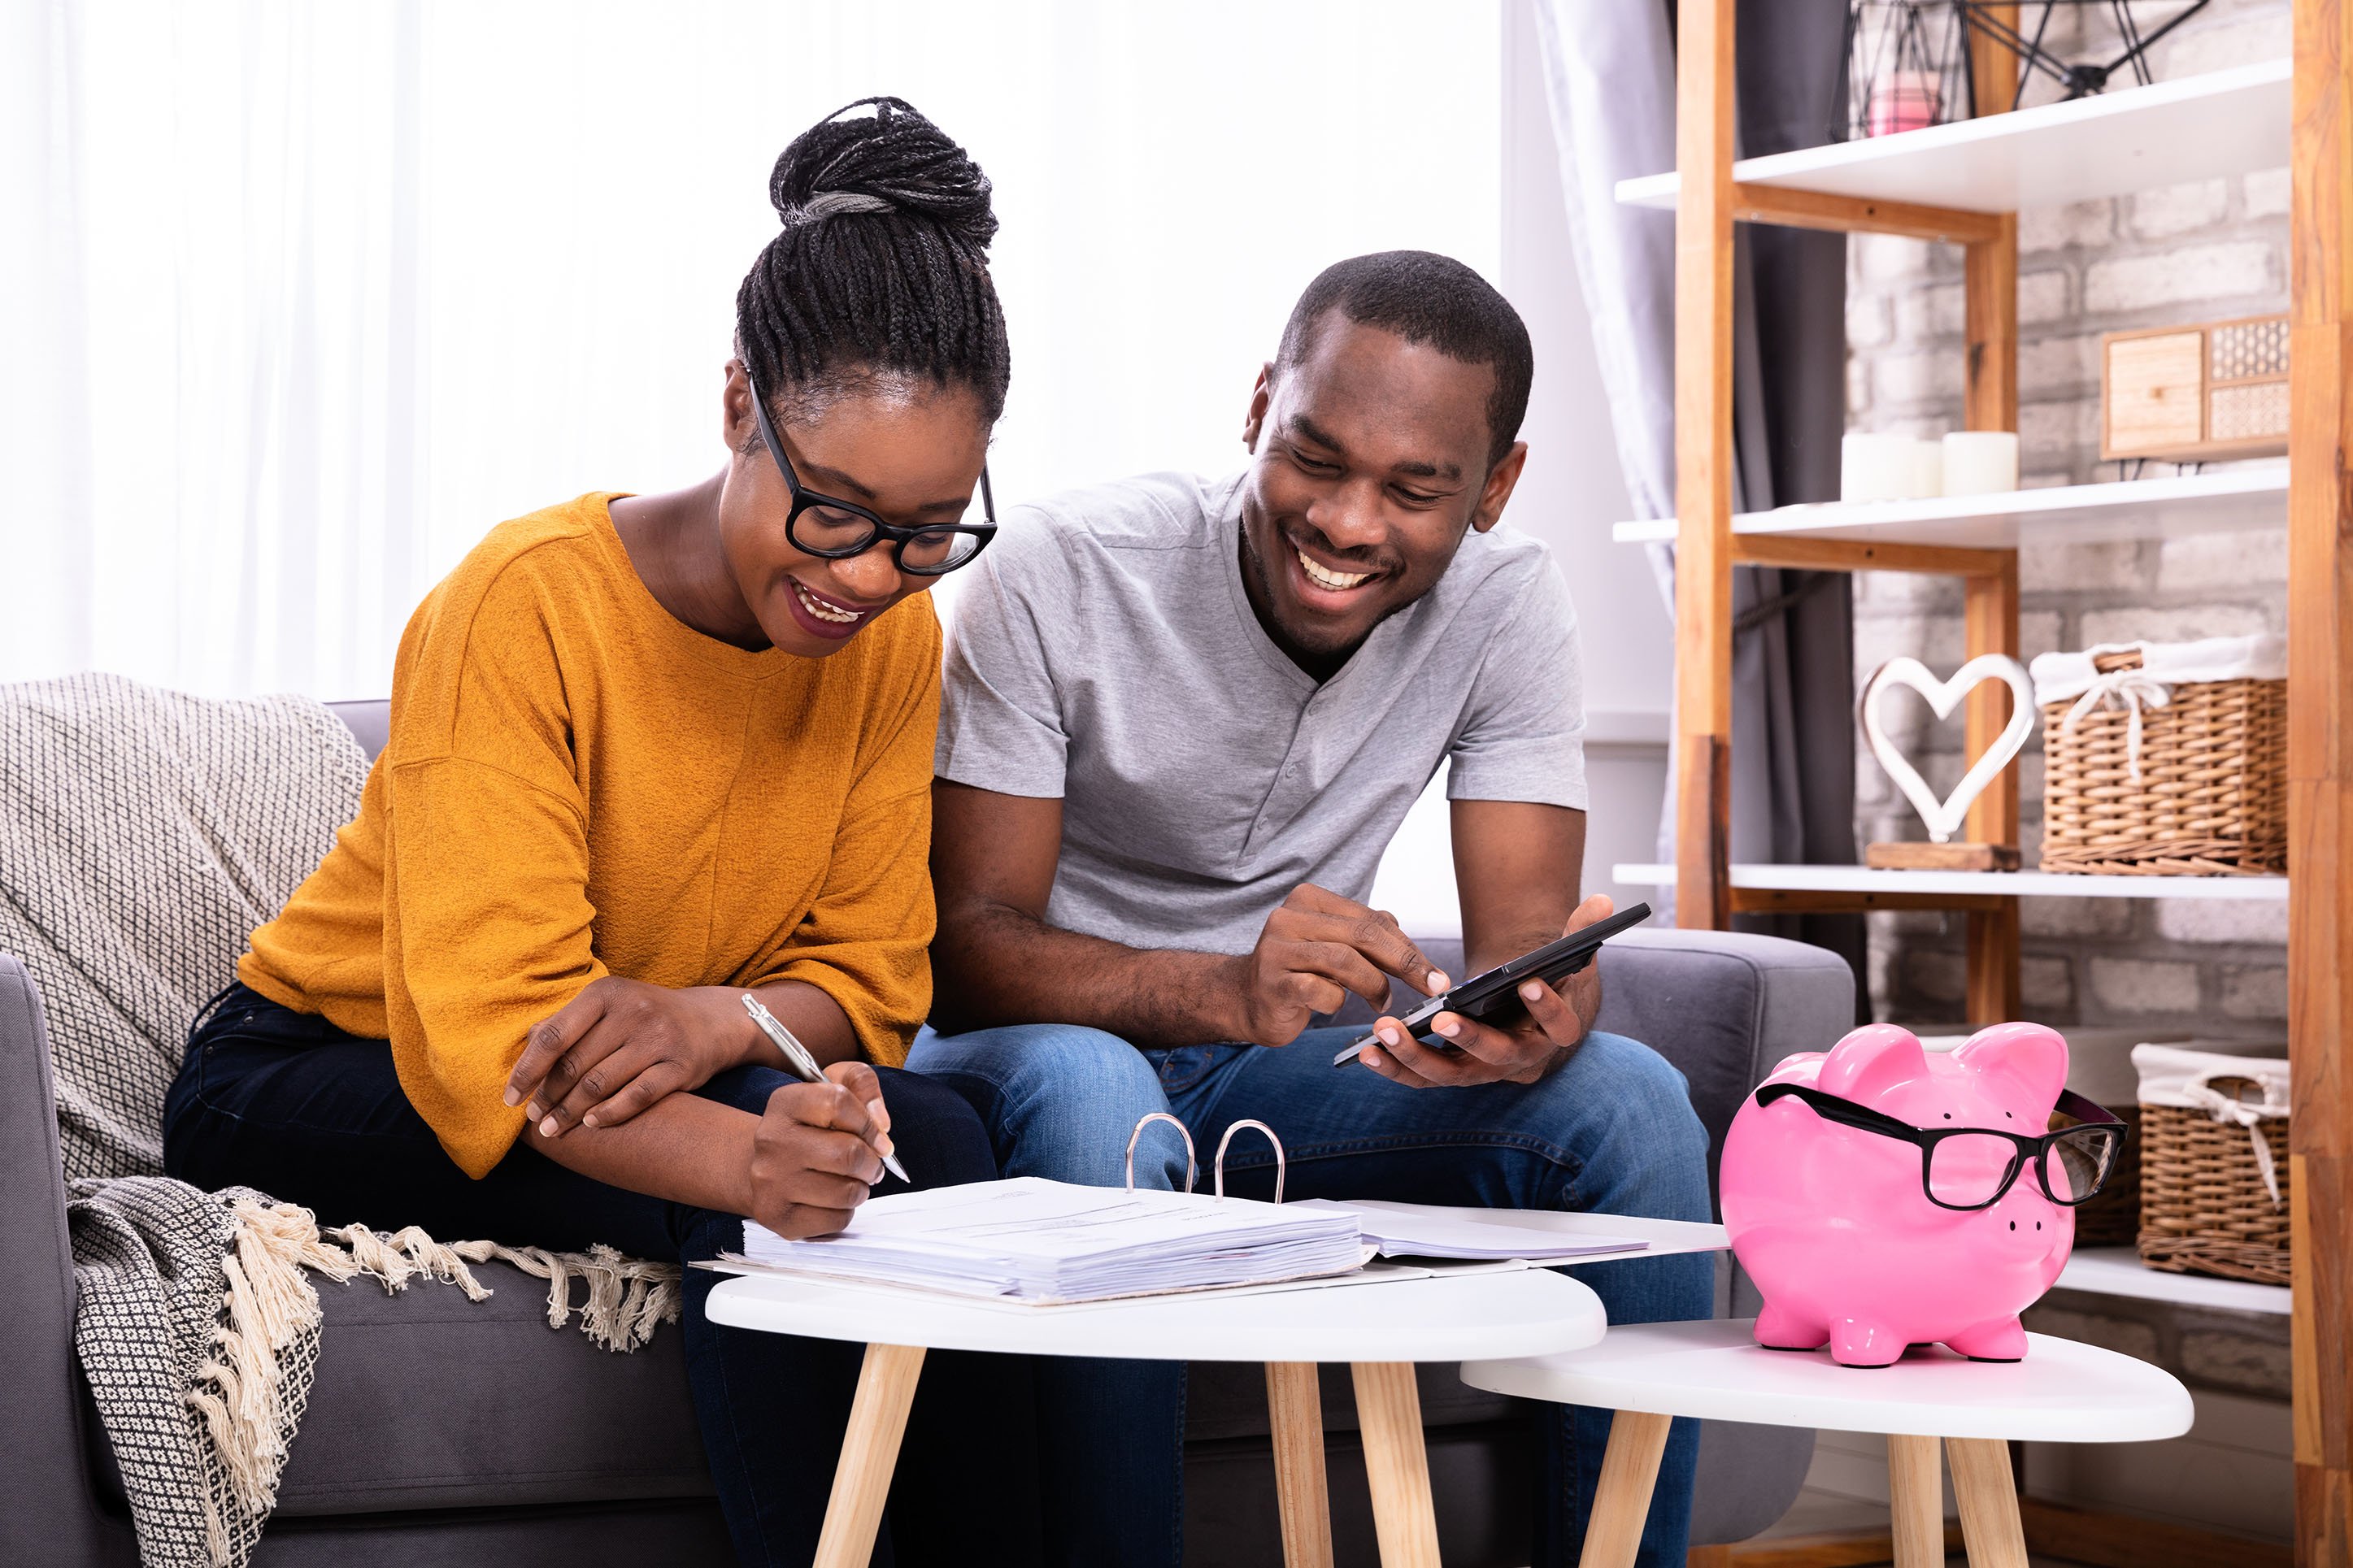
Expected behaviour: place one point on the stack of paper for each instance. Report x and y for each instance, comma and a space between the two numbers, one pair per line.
1036, 1240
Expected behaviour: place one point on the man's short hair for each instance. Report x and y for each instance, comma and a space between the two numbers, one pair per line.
1425, 298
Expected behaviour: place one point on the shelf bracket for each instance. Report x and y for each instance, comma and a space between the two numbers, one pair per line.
1789, 208
1826, 901
1865, 555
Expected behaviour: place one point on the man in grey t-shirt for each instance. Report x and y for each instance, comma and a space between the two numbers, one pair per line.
1181, 720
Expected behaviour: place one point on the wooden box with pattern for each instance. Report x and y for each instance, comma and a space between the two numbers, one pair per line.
2199, 393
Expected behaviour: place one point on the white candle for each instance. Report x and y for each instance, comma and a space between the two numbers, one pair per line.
1928, 471
1875, 466
1978, 462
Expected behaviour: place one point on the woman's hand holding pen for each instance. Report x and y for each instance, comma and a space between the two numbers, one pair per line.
818, 1150
623, 1046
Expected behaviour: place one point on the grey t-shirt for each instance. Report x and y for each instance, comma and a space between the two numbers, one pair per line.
1105, 652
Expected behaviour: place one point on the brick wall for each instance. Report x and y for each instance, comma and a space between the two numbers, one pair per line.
2191, 253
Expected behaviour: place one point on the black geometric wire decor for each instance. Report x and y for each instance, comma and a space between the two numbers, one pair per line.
2082, 78
1907, 67
1907, 61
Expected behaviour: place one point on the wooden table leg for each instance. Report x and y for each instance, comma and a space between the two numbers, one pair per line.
870, 1450
1295, 1404
1916, 1491
1622, 1503
1388, 1412
1989, 1499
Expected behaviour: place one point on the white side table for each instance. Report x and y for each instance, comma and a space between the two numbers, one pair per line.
1382, 1329
1650, 1372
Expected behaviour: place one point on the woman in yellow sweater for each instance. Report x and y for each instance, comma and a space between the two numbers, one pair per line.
649, 753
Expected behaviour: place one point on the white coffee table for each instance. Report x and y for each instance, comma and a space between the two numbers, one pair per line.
2063, 1392
1381, 1329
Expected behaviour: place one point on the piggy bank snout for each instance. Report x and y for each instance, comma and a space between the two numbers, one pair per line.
2025, 1222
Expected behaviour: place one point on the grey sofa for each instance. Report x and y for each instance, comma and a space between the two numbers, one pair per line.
439, 1427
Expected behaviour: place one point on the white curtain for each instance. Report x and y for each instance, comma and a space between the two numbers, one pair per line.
1609, 76
297, 301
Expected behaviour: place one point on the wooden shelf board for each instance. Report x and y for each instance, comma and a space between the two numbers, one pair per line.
2254, 497
2223, 122
2017, 884
2118, 1271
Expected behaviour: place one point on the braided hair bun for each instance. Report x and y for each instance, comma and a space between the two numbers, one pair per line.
881, 267
894, 157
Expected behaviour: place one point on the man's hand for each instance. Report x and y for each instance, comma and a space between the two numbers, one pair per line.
818, 1152
1522, 1052
620, 1046
1315, 949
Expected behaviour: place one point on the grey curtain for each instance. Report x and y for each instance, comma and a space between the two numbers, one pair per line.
1608, 69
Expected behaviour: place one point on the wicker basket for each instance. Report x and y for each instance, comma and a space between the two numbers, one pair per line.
2112, 1218
2204, 1208
2211, 797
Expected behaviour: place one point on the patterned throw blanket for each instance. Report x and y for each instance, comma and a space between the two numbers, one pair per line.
143, 835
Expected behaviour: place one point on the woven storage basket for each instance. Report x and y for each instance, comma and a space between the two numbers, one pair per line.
2204, 1208
2113, 1217
2211, 797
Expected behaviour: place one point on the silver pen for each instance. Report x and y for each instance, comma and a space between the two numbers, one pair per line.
803, 1066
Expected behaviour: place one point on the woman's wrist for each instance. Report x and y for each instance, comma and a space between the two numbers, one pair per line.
815, 1018
736, 1040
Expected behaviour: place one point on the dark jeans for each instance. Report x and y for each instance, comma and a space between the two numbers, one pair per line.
288, 1103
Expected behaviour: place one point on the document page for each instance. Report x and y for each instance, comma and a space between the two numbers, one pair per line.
1407, 1230
1042, 1240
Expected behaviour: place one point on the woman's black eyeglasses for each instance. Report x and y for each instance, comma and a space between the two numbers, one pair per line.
1969, 1168
820, 525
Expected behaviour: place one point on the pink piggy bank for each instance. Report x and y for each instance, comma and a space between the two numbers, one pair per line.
1836, 1223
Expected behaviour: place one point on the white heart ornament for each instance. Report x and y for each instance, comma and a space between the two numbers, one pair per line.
1945, 818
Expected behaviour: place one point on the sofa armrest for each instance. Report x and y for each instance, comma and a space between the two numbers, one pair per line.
54, 1517
1723, 1007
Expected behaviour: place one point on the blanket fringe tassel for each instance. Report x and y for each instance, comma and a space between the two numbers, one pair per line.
240, 1390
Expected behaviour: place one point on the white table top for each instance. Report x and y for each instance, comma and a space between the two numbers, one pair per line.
2061, 1392
1528, 1312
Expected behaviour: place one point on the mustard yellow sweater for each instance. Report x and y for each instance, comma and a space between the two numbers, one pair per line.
578, 785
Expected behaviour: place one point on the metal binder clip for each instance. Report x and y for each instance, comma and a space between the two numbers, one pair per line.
1191, 1169
1219, 1168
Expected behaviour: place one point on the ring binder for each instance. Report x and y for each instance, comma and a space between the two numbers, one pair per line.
1217, 1167
1192, 1169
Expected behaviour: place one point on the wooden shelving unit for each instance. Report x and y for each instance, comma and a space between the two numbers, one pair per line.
2224, 122
1965, 183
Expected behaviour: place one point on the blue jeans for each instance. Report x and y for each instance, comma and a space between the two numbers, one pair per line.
1611, 1131
287, 1102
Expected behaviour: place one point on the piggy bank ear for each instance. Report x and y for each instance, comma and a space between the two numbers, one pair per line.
1794, 1060
2031, 1057
1871, 1061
